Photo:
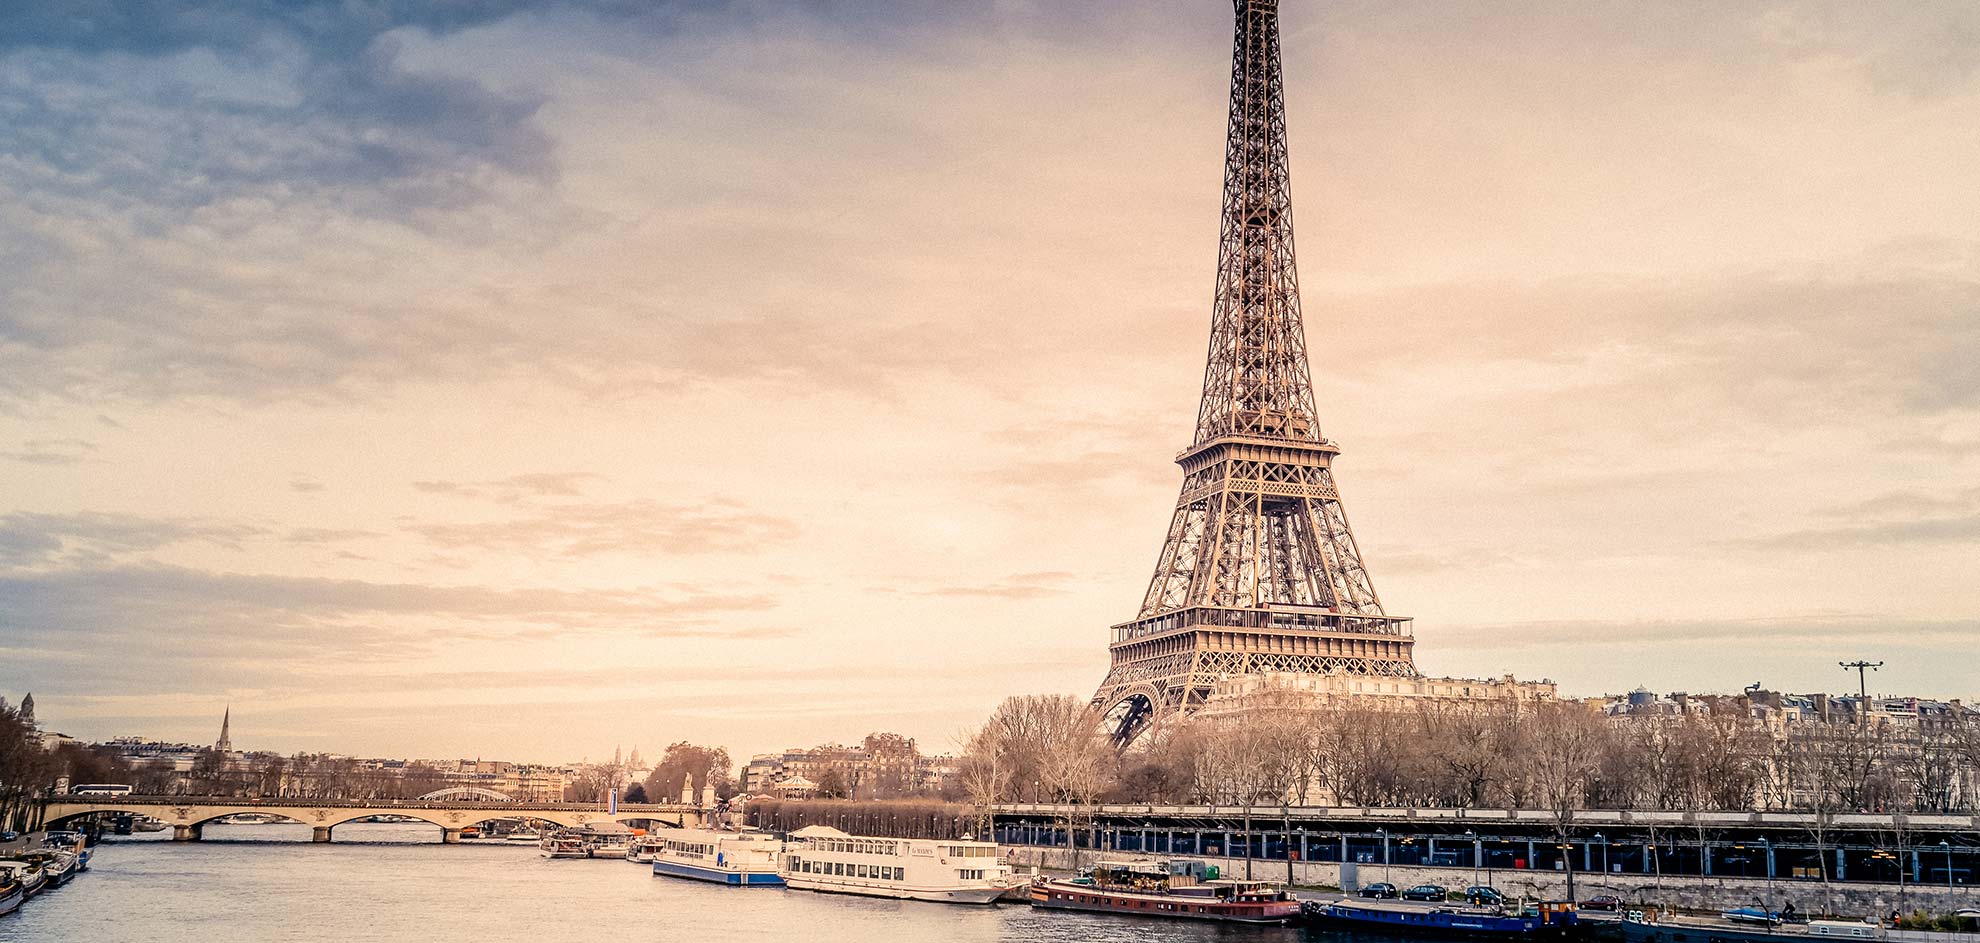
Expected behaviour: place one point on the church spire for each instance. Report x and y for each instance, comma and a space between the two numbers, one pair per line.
226, 744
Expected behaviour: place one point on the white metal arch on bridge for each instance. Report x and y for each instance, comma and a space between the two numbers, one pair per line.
188, 815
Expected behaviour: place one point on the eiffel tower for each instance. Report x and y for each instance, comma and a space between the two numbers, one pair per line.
1260, 571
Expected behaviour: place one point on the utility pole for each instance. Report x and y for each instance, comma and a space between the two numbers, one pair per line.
1862, 688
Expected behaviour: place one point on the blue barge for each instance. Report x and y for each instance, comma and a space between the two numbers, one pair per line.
1542, 921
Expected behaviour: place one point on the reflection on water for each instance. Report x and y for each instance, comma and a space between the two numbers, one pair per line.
255, 883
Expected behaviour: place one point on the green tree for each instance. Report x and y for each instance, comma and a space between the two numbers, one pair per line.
697, 765
832, 784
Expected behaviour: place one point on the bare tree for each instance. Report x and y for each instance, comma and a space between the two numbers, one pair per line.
1565, 757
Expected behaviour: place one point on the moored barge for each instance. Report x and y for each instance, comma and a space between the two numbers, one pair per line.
1536, 921
1158, 889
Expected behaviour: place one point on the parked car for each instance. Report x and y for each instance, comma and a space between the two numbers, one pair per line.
1602, 902
1436, 892
1485, 897
1379, 891
10, 835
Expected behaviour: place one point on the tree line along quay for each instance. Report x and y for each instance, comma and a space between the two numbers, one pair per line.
1717, 800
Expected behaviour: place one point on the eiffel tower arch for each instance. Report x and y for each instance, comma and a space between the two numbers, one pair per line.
1260, 571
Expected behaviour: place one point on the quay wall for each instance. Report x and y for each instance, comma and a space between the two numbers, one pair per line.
1852, 899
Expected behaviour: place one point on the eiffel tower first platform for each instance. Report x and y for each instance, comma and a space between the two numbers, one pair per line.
1260, 571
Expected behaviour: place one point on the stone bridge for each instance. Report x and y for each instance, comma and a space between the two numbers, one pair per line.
188, 815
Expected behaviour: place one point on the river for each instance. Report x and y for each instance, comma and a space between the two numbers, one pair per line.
265, 883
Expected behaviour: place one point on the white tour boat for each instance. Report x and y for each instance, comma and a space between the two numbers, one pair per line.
934, 869
743, 859
523, 834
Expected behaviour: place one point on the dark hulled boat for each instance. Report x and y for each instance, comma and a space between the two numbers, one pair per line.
1538, 921
1150, 889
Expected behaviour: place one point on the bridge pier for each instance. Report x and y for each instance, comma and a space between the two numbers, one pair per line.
187, 832
450, 836
320, 833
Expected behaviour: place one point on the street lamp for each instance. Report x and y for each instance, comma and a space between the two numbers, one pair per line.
1468, 833
1293, 853
1949, 877
1767, 849
1605, 852
1384, 833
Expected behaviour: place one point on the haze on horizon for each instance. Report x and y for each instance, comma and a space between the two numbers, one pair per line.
520, 380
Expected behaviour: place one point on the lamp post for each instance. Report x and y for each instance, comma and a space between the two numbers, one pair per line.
1473, 836
1292, 853
1384, 833
1605, 852
1767, 851
1949, 877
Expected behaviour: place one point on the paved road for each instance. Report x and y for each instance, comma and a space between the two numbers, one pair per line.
30, 841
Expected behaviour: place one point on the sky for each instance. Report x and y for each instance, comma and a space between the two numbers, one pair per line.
526, 379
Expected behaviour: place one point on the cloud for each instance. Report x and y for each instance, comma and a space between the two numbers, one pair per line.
638, 527
1017, 586
182, 613
51, 452
515, 487
327, 535
1898, 518
35, 539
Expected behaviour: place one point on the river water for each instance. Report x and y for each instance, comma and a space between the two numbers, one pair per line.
265, 883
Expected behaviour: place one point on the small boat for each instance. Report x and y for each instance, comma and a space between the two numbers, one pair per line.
562, 845
1534, 921
524, 834
1652, 927
645, 848
27, 874
606, 839
11, 895
145, 823
741, 859
1752, 916
941, 870
75, 843
57, 867
1166, 889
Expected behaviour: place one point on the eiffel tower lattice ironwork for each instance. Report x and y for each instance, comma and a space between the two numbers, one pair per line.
1260, 572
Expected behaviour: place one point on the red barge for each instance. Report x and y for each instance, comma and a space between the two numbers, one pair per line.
1156, 889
